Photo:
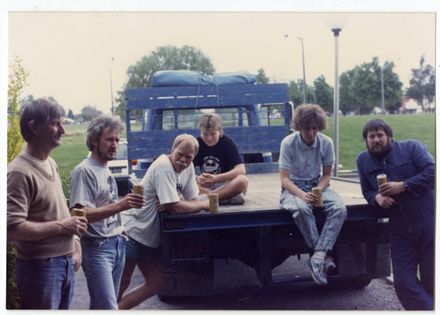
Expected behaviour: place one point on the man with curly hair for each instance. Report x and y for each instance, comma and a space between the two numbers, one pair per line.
306, 160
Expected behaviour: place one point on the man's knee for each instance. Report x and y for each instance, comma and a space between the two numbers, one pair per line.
242, 182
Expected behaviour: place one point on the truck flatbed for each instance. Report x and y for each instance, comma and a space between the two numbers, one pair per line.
264, 193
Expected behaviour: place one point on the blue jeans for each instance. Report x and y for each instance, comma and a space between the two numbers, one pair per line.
302, 212
103, 262
412, 248
45, 283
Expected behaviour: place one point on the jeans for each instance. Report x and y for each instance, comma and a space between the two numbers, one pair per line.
412, 247
103, 263
45, 283
302, 212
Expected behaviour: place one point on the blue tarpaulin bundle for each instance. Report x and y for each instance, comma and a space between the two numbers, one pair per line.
192, 78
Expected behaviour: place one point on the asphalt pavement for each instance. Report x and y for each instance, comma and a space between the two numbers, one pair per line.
237, 288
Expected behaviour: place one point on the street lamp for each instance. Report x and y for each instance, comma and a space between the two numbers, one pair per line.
304, 71
382, 104
111, 89
336, 32
304, 68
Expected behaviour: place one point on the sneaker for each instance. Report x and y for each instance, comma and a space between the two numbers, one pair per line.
236, 200
329, 264
317, 271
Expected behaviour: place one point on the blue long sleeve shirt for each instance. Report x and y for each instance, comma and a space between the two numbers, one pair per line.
408, 161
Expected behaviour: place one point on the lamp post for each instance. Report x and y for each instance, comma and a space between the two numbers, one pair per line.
382, 104
304, 71
336, 32
111, 89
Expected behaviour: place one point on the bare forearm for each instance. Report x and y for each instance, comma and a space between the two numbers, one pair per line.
236, 171
34, 231
324, 182
291, 187
187, 206
96, 214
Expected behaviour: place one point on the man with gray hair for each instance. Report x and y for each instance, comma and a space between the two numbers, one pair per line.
169, 185
93, 188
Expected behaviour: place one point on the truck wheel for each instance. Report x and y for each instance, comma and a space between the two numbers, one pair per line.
354, 282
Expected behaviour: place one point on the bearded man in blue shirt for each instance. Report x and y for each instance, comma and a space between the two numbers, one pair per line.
409, 197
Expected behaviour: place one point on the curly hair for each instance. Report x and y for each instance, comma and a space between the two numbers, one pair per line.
306, 114
98, 124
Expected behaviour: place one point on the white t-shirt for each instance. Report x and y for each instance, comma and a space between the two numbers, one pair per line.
163, 183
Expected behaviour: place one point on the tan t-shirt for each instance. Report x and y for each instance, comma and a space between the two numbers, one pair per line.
36, 195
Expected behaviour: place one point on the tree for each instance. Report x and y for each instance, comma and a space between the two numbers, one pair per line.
422, 84
89, 112
17, 81
295, 93
361, 87
70, 114
323, 94
261, 76
163, 58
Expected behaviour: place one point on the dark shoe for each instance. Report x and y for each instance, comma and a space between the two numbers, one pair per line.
317, 271
329, 264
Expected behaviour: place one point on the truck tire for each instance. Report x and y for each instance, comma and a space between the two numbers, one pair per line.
349, 282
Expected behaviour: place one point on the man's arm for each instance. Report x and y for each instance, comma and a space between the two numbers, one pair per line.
34, 231
293, 189
129, 201
186, 206
325, 178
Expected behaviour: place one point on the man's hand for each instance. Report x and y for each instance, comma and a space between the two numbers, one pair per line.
391, 188
309, 197
74, 225
206, 179
132, 200
385, 201
77, 255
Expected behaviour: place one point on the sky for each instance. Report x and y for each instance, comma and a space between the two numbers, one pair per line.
81, 58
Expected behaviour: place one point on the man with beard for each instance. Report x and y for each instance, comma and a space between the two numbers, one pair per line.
93, 188
38, 218
409, 197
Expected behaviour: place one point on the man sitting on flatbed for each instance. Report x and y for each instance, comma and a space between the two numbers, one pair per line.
303, 154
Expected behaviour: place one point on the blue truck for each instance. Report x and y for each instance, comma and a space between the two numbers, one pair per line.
258, 233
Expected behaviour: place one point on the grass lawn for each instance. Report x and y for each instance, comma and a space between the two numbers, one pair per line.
421, 127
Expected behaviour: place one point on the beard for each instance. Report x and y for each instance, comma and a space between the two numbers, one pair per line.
380, 154
104, 155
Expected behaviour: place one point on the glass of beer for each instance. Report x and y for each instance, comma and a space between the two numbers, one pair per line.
317, 192
381, 179
77, 212
213, 202
138, 188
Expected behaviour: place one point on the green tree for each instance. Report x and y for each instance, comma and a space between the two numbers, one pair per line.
163, 58
261, 76
70, 114
89, 112
17, 81
295, 93
422, 84
323, 94
361, 88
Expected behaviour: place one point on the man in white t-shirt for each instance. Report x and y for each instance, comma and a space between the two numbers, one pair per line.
169, 185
